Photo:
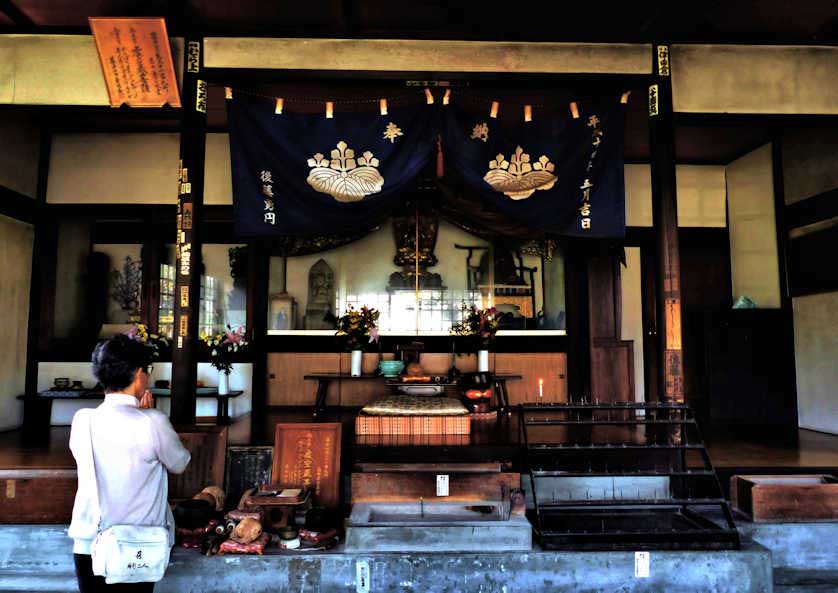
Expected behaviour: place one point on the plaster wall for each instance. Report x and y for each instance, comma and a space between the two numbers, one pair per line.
632, 316
816, 359
131, 169
20, 147
701, 195
16, 240
62, 411
810, 162
753, 236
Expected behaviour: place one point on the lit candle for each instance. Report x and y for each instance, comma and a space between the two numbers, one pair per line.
540, 389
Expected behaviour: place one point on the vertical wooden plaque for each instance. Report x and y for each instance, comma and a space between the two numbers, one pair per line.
308, 455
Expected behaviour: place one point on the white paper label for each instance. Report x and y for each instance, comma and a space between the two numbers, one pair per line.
362, 576
442, 485
641, 565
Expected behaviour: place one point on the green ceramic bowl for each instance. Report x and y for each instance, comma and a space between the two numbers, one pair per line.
391, 368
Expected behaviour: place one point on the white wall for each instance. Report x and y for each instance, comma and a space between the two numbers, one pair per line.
753, 236
131, 169
62, 411
701, 195
816, 357
16, 264
632, 315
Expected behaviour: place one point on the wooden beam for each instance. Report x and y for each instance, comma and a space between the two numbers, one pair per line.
665, 220
188, 266
18, 206
426, 55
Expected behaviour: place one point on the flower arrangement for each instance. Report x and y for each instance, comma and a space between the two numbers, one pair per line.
477, 325
224, 346
125, 284
357, 328
157, 342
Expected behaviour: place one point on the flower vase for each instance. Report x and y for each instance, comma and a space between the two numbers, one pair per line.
483, 361
356, 363
223, 383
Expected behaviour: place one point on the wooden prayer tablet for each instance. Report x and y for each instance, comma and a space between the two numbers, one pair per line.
307, 455
136, 61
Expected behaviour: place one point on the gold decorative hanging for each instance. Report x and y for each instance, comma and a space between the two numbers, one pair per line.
344, 177
518, 178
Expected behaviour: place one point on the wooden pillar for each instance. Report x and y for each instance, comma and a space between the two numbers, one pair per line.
190, 204
258, 275
576, 305
665, 217
42, 282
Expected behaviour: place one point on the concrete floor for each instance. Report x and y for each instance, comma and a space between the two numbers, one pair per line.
38, 558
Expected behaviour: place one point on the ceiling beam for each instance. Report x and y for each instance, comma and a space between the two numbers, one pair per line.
16, 15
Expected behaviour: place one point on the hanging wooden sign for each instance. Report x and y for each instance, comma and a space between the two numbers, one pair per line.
136, 61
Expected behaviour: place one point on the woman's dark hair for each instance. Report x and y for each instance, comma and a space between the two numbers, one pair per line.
116, 360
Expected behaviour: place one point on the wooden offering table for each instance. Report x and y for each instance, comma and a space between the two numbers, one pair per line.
325, 379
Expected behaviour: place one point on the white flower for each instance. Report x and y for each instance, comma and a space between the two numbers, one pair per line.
215, 353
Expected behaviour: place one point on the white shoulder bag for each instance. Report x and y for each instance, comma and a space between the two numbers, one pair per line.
127, 553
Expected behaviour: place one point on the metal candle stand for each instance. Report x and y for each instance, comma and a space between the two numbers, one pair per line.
654, 494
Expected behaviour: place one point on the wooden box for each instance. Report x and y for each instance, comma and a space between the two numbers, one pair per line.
394, 482
37, 496
787, 499
208, 447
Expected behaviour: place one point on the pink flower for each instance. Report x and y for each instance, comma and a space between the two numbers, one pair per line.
373, 335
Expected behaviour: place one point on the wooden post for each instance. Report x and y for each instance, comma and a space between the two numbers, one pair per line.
190, 204
258, 275
665, 217
42, 280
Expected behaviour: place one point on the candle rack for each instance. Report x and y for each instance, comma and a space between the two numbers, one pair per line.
622, 475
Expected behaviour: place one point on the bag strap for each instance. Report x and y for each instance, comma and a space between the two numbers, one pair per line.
96, 499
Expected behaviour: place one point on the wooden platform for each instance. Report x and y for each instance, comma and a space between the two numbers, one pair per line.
48, 463
813, 450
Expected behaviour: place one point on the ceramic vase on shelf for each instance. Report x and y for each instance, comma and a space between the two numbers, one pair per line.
356, 362
223, 383
483, 361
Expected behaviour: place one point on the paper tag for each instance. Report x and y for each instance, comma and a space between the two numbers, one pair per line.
290, 492
442, 485
641, 565
362, 576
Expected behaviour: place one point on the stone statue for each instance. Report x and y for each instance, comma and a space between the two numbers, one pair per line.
321, 296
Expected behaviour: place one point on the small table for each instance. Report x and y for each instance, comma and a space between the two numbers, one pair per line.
325, 379
37, 409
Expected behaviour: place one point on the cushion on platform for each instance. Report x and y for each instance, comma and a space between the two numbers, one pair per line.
411, 405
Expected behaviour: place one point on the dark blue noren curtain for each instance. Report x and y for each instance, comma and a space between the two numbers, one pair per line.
303, 174
555, 174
